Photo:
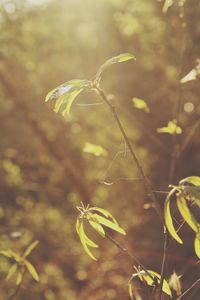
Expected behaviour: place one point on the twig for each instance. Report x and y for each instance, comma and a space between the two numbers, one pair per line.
132, 152
190, 292
124, 250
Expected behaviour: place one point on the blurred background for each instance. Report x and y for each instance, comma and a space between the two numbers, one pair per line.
44, 172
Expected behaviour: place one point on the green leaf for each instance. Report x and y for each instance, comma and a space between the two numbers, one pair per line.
85, 241
167, 5
11, 254
194, 193
186, 214
19, 278
140, 104
171, 128
143, 276
109, 224
195, 180
96, 226
130, 290
94, 149
197, 244
104, 212
117, 59
168, 218
11, 271
32, 270
30, 249
66, 93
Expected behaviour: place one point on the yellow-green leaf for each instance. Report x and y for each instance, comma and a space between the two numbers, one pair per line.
167, 5
168, 219
32, 270
11, 271
109, 224
171, 128
85, 241
96, 226
19, 278
140, 104
30, 249
117, 59
104, 212
96, 150
197, 244
130, 290
186, 214
195, 180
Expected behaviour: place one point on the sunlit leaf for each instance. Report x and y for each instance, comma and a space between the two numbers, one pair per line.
30, 249
117, 59
130, 290
96, 225
19, 277
10, 254
167, 5
192, 75
194, 192
168, 219
140, 104
197, 244
79, 226
85, 241
104, 212
143, 276
175, 283
32, 270
171, 128
109, 224
65, 94
96, 150
195, 180
186, 214
11, 271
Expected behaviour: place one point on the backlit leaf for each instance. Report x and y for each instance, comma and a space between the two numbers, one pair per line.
167, 5
171, 128
96, 150
192, 75
30, 249
11, 271
168, 218
117, 59
175, 283
130, 290
197, 244
19, 277
140, 104
195, 180
104, 212
84, 241
65, 94
96, 226
32, 270
186, 214
109, 224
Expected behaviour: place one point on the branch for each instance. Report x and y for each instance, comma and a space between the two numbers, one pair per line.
132, 152
190, 292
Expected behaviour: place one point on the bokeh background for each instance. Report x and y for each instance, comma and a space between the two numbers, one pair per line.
44, 172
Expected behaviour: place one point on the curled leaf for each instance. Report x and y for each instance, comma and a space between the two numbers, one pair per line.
65, 94
117, 59
168, 218
186, 214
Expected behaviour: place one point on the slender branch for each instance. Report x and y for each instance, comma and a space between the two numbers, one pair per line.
133, 154
190, 292
125, 250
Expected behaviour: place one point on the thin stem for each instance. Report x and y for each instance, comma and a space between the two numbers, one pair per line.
132, 152
190, 292
124, 250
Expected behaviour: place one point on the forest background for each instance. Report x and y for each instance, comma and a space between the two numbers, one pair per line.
46, 169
